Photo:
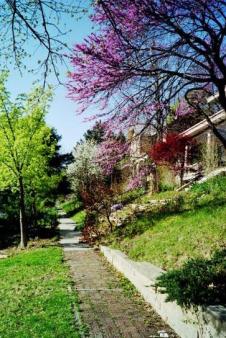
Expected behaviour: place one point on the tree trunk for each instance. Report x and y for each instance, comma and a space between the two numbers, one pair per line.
34, 209
109, 221
23, 226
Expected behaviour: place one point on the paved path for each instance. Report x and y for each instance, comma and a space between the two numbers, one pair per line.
105, 308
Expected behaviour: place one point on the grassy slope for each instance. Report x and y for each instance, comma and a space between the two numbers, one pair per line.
35, 296
169, 239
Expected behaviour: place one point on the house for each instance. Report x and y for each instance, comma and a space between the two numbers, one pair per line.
213, 153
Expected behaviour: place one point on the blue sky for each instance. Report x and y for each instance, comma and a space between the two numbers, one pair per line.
62, 113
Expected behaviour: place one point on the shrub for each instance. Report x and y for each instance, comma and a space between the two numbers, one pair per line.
90, 231
47, 218
170, 152
199, 282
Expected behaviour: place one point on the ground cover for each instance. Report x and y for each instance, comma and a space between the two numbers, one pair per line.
36, 298
193, 224
79, 218
71, 206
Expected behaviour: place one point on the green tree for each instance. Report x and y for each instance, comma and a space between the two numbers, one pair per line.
96, 133
24, 146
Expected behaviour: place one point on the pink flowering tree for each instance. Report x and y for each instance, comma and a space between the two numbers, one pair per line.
109, 154
102, 74
139, 180
145, 55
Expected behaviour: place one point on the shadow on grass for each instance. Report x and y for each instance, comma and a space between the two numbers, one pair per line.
10, 236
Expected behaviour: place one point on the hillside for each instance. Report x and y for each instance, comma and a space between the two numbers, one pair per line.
181, 226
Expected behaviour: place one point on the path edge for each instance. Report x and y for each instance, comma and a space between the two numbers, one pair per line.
203, 324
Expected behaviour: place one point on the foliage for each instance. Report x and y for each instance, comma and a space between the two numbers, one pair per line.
140, 58
47, 218
213, 186
96, 134
209, 192
199, 281
109, 153
91, 231
36, 296
83, 170
79, 218
165, 187
130, 196
26, 150
139, 180
171, 151
99, 200
72, 206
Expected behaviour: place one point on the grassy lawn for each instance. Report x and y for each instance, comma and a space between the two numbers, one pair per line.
167, 239
36, 298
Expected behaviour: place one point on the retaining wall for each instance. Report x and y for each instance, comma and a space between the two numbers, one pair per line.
210, 323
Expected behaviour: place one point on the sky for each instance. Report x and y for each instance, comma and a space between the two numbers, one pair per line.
62, 114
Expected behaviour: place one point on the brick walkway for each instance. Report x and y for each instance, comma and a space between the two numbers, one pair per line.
105, 308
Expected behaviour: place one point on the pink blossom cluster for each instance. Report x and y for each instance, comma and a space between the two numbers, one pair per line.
98, 68
183, 108
109, 153
139, 44
139, 179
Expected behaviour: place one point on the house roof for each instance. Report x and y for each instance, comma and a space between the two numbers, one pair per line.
200, 127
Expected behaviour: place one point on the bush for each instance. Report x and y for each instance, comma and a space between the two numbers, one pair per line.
90, 231
199, 282
47, 218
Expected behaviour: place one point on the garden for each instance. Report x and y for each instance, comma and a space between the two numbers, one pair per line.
146, 176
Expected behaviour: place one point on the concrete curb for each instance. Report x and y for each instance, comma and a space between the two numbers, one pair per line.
208, 324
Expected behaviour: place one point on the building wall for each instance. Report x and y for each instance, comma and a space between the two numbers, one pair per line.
213, 152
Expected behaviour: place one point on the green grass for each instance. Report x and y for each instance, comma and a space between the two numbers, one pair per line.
71, 206
36, 297
169, 236
79, 219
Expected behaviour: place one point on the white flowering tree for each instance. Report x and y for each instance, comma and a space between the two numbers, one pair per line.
84, 170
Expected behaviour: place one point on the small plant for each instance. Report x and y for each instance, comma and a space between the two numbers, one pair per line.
200, 282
